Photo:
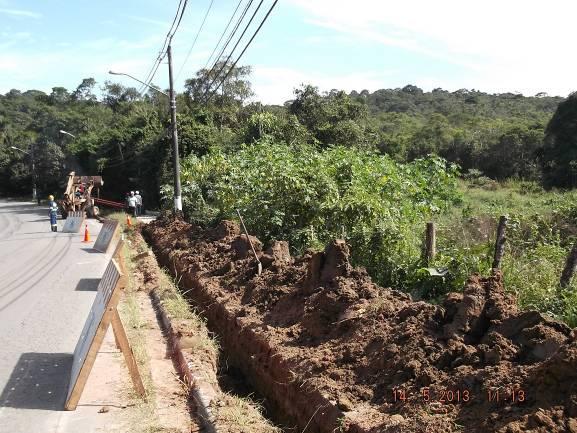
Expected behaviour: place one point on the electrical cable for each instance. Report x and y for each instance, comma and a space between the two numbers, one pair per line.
243, 51
230, 36
195, 38
158, 59
225, 63
167, 42
179, 20
171, 32
222, 35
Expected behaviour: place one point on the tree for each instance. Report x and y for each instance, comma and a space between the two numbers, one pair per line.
435, 136
514, 155
559, 154
332, 118
228, 102
84, 90
412, 90
235, 89
59, 95
115, 94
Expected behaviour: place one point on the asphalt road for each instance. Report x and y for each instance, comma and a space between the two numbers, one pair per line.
47, 285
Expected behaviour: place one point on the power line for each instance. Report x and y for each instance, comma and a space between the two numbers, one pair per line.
179, 20
195, 38
232, 33
222, 35
230, 36
234, 48
160, 55
177, 16
246, 46
168, 41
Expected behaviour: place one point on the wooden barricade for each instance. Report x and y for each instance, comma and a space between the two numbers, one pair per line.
103, 313
108, 232
74, 222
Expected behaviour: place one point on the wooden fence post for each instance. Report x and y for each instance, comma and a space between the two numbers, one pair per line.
570, 265
430, 243
500, 243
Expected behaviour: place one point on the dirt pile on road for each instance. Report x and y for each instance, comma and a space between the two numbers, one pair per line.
370, 358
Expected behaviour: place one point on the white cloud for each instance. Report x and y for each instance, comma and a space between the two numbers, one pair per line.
275, 85
20, 13
516, 44
10, 39
145, 20
110, 43
66, 69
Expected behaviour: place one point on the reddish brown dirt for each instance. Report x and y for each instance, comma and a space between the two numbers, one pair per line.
329, 349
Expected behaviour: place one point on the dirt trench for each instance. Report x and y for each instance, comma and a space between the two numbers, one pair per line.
332, 351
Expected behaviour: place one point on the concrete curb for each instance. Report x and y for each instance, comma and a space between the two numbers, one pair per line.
199, 389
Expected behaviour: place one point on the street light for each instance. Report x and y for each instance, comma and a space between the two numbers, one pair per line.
141, 82
31, 154
62, 131
175, 156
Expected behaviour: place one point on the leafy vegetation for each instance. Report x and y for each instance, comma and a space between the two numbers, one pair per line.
541, 230
368, 167
309, 197
560, 149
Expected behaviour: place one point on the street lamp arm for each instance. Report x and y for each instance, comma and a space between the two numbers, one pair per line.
62, 131
17, 148
141, 82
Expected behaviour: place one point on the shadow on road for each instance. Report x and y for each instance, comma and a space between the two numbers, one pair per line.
87, 285
90, 251
39, 381
25, 209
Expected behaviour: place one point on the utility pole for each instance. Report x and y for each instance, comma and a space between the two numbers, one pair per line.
34, 192
175, 156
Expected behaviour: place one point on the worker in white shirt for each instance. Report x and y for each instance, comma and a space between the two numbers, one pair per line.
138, 203
132, 204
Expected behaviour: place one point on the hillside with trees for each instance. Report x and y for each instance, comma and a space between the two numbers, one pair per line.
371, 168
124, 135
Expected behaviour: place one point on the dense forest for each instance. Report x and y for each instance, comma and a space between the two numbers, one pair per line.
124, 135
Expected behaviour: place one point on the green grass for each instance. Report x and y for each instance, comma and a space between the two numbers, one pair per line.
511, 197
119, 216
540, 233
176, 305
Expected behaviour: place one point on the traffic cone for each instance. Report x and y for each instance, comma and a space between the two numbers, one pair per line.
128, 222
86, 234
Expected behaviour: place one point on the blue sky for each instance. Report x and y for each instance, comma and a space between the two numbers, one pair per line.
494, 46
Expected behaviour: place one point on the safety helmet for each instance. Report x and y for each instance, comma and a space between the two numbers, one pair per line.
137, 192
50, 197
131, 192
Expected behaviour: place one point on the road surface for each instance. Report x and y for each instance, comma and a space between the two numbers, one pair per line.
47, 285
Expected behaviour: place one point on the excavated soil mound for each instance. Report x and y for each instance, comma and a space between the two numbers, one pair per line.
332, 350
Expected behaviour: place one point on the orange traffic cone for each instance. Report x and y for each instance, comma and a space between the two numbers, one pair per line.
86, 234
128, 222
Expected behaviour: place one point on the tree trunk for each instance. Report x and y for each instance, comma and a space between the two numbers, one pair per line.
570, 265
430, 243
500, 243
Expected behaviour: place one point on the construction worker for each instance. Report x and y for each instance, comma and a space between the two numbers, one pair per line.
132, 204
138, 203
53, 213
